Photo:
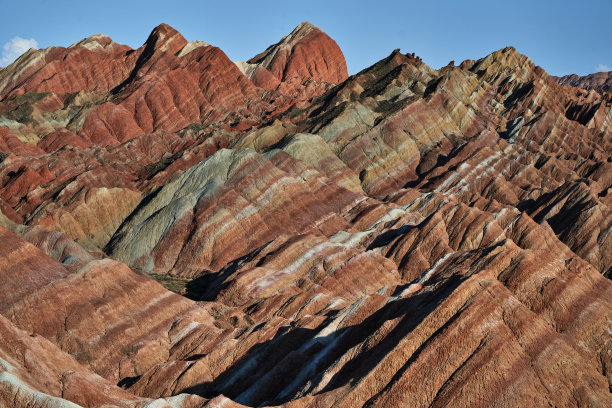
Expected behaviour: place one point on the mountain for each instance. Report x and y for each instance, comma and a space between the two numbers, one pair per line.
600, 81
300, 64
181, 230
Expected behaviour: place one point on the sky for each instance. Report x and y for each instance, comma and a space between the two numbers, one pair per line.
561, 36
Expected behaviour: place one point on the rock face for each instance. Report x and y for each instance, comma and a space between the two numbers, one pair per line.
239, 200
300, 64
178, 230
305, 53
600, 81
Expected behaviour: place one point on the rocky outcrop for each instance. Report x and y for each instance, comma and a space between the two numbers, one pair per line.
302, 64
40, 298
40, 268
9, 143
306, 53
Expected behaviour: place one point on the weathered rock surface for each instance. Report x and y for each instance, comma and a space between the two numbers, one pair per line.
412, 237
600, 81
225, 206
301, 64
292, 56
36, 373
108, 333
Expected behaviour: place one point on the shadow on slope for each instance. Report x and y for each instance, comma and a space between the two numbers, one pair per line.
294, 362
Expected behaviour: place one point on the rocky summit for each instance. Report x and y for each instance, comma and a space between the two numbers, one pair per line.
179, 230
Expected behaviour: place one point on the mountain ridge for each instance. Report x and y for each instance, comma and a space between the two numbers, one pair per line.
599, 81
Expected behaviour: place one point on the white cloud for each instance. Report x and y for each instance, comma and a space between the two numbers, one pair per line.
602, 68
14, 48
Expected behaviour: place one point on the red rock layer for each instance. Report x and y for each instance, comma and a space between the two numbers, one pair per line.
306, 53
129, 92
40, 298
95, 64
44, 376
34, 370
302, 64
9, 143
173, 85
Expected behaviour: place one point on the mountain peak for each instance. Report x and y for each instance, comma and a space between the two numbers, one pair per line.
507, 59
304, 28
95, 42
306, 24
298, 34
307, 52
164, 29
165, 38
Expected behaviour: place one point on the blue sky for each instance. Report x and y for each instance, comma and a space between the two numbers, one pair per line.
561, 36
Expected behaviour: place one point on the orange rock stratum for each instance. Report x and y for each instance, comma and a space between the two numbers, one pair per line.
178, 230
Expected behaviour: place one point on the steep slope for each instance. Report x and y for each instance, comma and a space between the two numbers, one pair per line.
301, 64
119, 342
107, 93
36, 373
95, 330
291, 56
224, 207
